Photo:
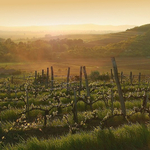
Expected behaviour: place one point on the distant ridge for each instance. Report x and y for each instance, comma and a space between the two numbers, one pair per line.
68, 27
137, 45
143, 28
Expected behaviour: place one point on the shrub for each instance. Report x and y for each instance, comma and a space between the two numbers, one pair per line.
95, 75
104, 77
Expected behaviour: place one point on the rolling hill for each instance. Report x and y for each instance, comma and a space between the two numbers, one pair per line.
138, 45
132, 42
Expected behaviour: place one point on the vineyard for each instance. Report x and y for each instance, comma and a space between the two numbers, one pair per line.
44, 106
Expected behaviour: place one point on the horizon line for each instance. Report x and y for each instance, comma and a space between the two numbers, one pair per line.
67, 25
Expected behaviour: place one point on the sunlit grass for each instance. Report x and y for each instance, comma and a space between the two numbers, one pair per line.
134, 136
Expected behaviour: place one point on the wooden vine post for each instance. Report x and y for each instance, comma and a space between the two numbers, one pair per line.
35, 79
111, 74
27, 100
42, 73
121, 77
139, 78
42, 77
145, 100
68, 74
75, 117
52, 77
8, 90
45, 117
131, 78
112, 106
12, 79
38, 75
47, 79
80, 86
86, 82
15, 90
118, 86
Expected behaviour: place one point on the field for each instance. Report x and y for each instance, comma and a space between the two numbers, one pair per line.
103, 65
45, 112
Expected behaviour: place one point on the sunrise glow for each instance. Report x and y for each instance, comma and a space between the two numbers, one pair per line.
55, 12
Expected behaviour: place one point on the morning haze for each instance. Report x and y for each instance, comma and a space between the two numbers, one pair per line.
76, 29
41, 31
54, 12
64, 45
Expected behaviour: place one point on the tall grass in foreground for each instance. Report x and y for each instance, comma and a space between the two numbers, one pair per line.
127, 137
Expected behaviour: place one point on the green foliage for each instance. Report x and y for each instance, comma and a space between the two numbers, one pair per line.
104, 77
138, 117
95, 75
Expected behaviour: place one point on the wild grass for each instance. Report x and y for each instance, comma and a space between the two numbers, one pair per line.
131, 137
10, 114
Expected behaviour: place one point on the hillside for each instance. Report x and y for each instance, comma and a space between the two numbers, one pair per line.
120, 36
137, 45
143, 28
132, 42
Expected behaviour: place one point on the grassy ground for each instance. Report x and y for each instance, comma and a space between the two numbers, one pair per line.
132, 137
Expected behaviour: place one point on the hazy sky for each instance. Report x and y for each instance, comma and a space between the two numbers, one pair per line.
51, 12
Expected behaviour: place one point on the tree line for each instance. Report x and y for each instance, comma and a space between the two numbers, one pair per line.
37, 50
